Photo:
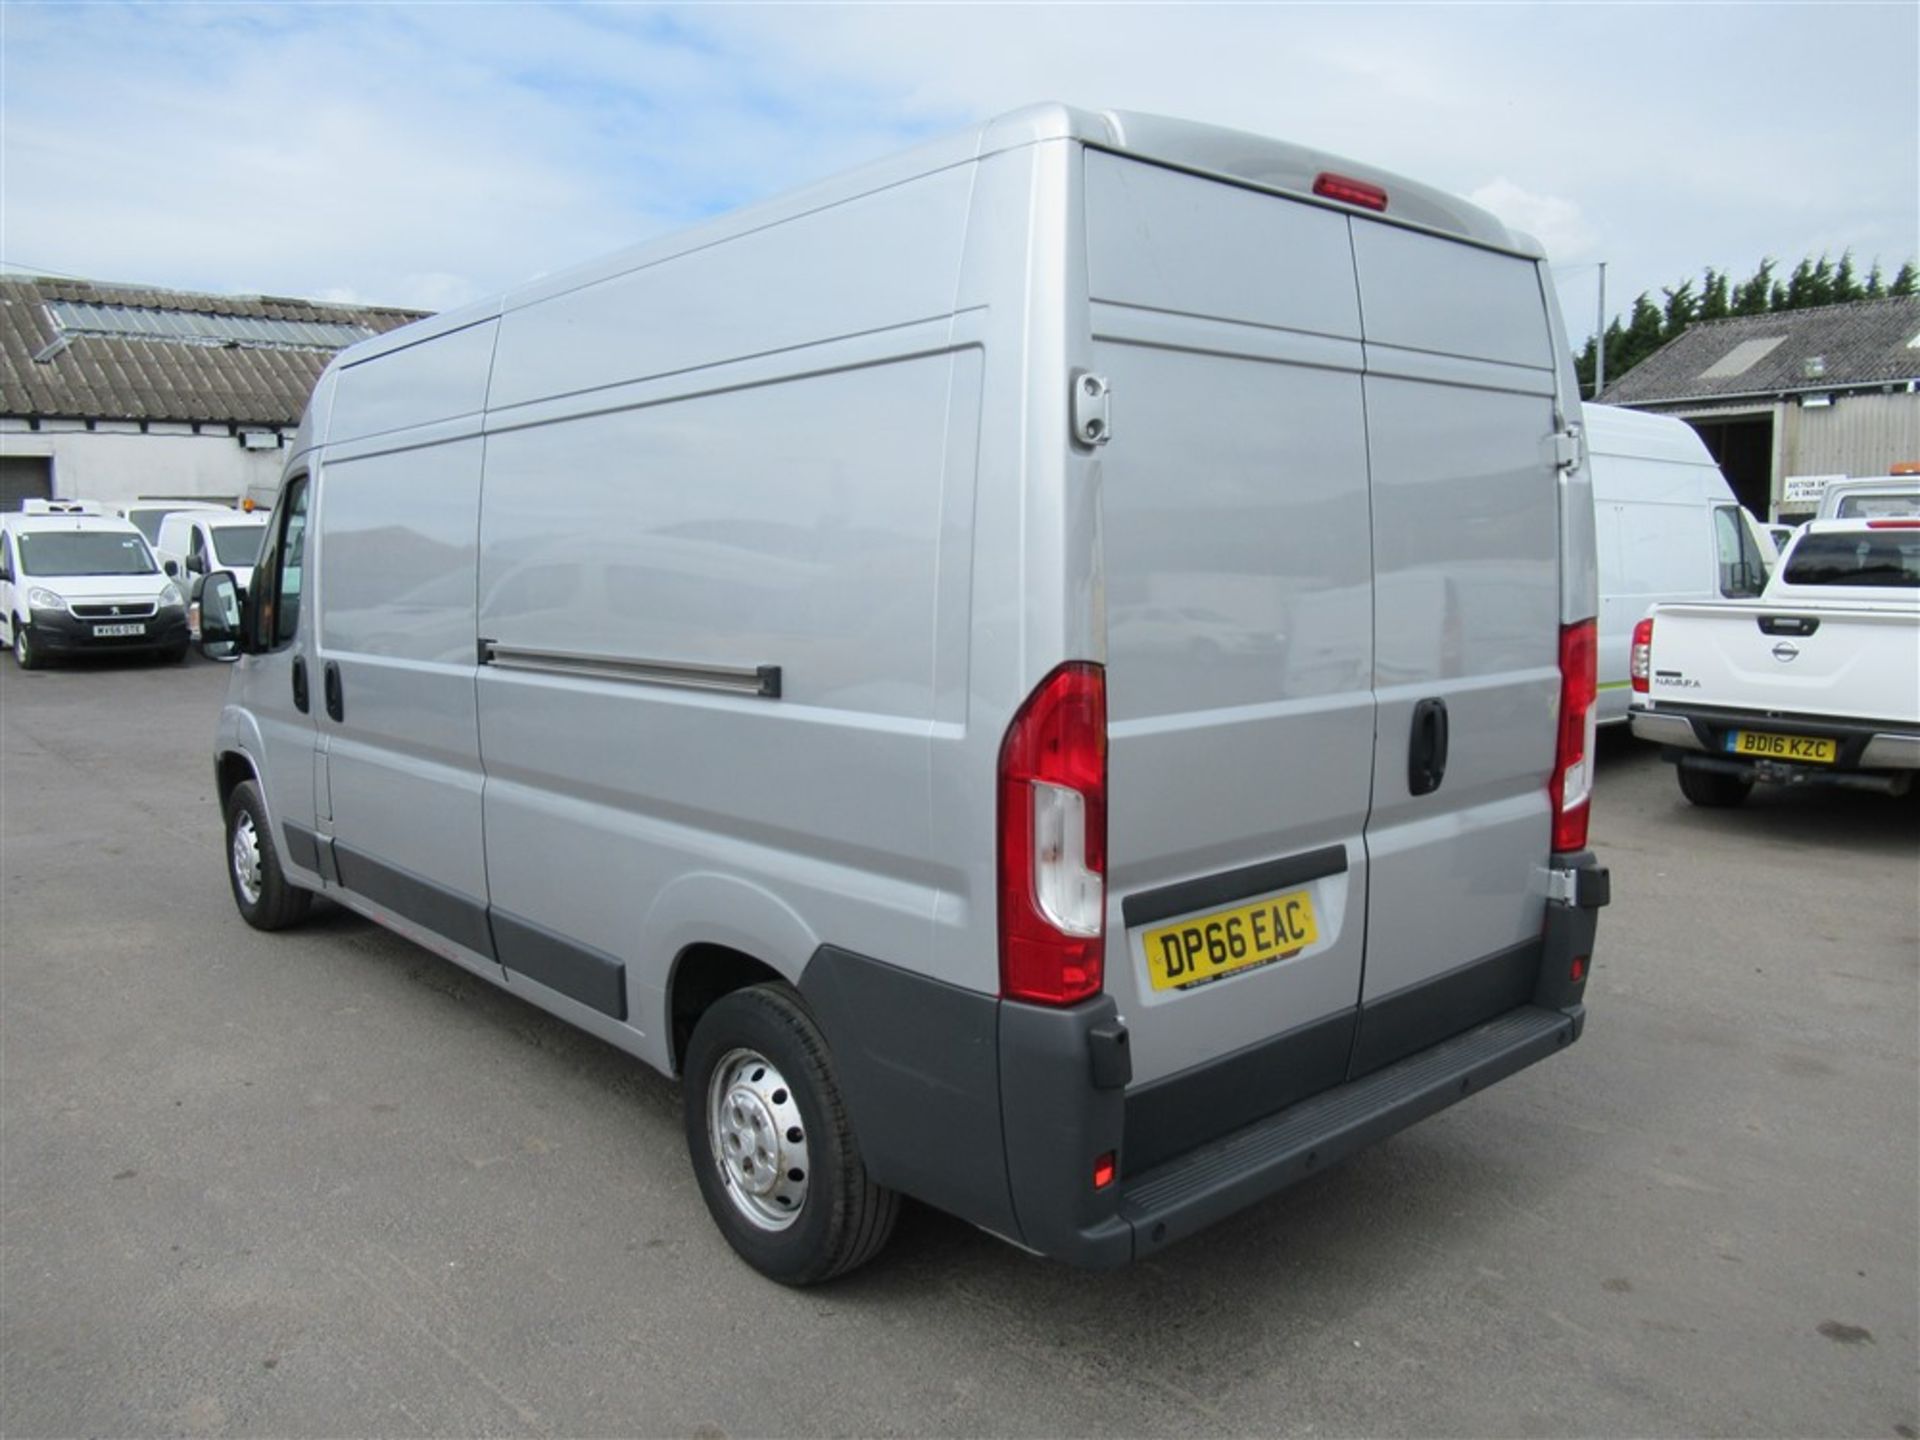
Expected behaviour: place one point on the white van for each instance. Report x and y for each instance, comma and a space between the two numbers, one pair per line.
1666, 527
146, 515
84, 582
903, 659
194, 543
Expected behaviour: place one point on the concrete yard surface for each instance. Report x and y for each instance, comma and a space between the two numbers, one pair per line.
323, 1183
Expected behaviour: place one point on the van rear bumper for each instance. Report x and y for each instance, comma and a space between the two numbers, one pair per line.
1004, 1113
1193, 1191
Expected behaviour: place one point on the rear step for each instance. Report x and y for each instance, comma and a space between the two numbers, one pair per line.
1187, 1194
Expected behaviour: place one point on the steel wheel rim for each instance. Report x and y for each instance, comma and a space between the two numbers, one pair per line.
246, 858
757, 1140
20, 644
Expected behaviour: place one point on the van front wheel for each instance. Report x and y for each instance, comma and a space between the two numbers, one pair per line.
772, 1149
266, 898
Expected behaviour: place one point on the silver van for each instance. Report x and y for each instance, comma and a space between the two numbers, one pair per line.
1053, 675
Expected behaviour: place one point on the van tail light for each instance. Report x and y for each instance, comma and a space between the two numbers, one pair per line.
1640, 667
1330, 186
1053, 840
1572, 786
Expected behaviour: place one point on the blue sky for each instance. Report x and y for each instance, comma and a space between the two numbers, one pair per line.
430, 154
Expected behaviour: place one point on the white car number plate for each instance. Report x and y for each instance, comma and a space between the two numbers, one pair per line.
102, 632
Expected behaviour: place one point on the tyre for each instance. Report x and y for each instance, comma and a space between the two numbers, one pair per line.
1714, 789
267, 899
174, 654
772, 1149
26, 650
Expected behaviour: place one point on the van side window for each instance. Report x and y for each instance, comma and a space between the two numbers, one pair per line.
276, 613
1743, 573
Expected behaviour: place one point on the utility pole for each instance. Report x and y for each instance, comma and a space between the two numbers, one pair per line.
1600, 338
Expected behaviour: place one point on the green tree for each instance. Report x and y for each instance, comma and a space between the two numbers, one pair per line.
1714, 304
1680, 309
1903, 281
1750, 297
1846, 285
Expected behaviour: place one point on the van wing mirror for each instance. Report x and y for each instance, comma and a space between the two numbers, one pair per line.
222, 618
172, 567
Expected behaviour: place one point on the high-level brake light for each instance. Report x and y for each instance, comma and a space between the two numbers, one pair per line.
1344, 188
1053, 840
1571, 787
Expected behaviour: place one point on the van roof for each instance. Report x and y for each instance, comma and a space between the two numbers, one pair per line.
1614, 431
29, 523
1234, 155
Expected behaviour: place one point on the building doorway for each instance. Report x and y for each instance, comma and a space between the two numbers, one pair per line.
1742, 446
24, 477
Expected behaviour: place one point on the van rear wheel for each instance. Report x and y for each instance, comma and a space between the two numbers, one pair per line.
1713, 789
267, 900
772, 1148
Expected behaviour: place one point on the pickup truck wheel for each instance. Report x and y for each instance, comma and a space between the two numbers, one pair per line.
772, 1148
266, 898
1713, 789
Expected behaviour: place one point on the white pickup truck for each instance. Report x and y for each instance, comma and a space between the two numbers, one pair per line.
1816, 682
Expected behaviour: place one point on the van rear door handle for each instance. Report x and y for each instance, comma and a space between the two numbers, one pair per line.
300, 700
330, 683
1427, 749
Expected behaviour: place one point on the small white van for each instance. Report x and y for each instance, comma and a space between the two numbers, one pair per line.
195, 543
1053, 674
1666, 527
79, 581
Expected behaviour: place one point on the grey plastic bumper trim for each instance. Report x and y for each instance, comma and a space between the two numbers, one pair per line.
1208, 1184
1891, 752
1675, 730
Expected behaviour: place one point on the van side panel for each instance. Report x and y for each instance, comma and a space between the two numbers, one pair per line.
1466, 532
793, 524
1238, 606
885, 259
397, 561
440, 379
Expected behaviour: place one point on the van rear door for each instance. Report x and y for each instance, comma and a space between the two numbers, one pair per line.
1239, 643
1461, 421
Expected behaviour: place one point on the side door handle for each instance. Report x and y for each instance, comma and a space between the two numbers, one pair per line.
300, 699
330, 682
1427, 749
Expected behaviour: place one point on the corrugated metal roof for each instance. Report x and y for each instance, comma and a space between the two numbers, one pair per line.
127, 352
1863, 343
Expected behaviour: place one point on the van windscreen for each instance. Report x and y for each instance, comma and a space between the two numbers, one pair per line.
83, 552
237, 544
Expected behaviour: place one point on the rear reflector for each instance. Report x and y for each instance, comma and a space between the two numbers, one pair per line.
1104, 1170
1329, 186
1640, 667
1571, 787
1053, 840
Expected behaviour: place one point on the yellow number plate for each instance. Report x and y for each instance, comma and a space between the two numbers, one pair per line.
1210, 946
1784, 747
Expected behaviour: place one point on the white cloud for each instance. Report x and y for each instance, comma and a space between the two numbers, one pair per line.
1553, 220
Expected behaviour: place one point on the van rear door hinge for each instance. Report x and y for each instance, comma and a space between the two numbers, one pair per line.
1568, 448
1092, 408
